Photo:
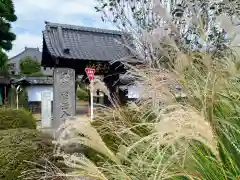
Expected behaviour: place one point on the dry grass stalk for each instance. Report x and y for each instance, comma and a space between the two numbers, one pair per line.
188, 124
178, 127
80, 131
98, 84
44, 172
202, 77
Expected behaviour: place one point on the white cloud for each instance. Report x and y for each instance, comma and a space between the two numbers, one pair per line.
23, 40
32, 14
56, 6
77, 7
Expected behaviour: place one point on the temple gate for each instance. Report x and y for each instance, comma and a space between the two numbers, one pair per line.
69, 50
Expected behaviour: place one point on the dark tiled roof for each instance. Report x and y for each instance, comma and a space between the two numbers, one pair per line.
38, 80
33, 52
34, 80
85, 43
126, 79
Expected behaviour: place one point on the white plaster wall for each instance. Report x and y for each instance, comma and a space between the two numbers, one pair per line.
133, 92
34, 92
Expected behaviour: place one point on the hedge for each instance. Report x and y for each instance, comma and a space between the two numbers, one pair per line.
16, 118
82, 95
19, 147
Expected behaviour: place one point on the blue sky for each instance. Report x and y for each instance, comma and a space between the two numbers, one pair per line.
33, 13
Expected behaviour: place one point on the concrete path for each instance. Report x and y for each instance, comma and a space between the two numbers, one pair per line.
81, 110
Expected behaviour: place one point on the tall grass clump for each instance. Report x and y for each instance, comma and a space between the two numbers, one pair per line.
16, 118
196, 136
24, 150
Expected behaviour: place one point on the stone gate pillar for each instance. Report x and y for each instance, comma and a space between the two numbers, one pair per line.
64, 95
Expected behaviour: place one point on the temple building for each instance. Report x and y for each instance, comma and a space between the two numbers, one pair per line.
34, 53
69, 49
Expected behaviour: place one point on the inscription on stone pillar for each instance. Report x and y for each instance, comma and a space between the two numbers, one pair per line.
64, 95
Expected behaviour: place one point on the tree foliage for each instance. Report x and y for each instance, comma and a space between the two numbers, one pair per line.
4, 68
29, 66
82, 94
183, 15
7, 16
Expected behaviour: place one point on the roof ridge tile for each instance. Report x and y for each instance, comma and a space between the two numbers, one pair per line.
83, 28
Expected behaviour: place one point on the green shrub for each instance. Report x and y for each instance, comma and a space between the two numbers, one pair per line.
82, 95
29, 65
23, 150
36, 74
16, 118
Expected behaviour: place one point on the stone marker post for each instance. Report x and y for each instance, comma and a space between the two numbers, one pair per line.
46, 108
64, 96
